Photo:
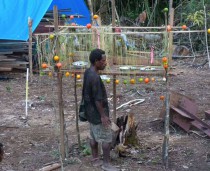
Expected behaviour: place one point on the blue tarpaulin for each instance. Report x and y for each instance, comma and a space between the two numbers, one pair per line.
14, 15
76, 7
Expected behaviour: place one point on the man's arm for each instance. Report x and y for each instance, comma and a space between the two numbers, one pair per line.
104, 118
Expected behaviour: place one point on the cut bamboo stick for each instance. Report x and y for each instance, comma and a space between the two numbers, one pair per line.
51, 167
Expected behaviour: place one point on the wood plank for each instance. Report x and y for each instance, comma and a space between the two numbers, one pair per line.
181, 112
6, 53
3, 57
7, 60
13, 62
5, 69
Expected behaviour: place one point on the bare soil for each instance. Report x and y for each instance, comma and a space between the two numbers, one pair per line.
34, 143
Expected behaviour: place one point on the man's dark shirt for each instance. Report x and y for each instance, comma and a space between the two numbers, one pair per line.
94, 90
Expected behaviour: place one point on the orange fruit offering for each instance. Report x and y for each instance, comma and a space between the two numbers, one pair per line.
95, 16
67, 74
132, 81
208, 31
162, 97
50, 74
165, 66
58, 65
117, 81
164, 59
146, 80
44, 65
88, 26
184, 27
169, 28
71, 17
78, 76
56, 58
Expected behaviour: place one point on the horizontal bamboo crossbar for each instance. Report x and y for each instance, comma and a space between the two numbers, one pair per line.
126, 33
162, 27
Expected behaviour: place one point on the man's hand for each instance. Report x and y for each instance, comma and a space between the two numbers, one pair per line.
105, 121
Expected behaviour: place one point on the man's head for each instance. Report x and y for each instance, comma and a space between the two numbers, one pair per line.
98, 59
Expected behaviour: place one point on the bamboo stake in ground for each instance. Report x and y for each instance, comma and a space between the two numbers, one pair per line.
60, 93
170, 41
114, 62
77, 113
168, 44
166, 124
27, 93
30, 22
114, 100
207, 48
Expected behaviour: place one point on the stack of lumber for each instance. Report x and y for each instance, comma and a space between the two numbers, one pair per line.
13, 55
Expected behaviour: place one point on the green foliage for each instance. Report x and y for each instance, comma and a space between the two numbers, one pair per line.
86, 150
196, 18
9, 89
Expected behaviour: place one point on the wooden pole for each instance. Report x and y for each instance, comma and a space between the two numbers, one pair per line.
91, 9
77, 113
30, 23
169, 49
206, 36
114, 100
60, 93
113, 30
114, 62
170, 8
170, 38
166, 124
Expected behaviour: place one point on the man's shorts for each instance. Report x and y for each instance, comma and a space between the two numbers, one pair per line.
100, 133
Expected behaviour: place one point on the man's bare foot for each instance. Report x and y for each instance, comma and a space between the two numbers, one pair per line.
96, 162
109, 167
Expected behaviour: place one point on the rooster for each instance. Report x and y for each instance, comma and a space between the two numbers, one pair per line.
141, 18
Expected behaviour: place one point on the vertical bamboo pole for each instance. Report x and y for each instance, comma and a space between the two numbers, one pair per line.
169, 48
166, 124
170, 10
114, 59
91, 9
77, 113
206, 36
30, 23
93, 30
170, 38
27, 93
60, 93
114, 99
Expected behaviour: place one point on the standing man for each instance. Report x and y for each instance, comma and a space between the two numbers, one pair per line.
97, 110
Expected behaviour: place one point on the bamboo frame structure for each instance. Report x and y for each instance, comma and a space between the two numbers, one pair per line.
114, 73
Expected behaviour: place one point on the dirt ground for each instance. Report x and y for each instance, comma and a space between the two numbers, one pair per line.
34, 143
